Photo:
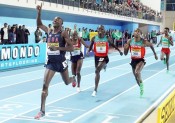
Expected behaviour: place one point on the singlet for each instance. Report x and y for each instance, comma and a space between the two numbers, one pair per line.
165, 42
101, 46
77, 48
137, 49
58, 41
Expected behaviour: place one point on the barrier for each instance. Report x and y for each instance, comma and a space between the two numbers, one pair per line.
166, 109
18, 55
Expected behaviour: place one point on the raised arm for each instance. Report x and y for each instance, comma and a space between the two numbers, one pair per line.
39, 22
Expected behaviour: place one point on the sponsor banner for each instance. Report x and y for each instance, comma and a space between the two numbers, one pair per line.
18, 55
166, 109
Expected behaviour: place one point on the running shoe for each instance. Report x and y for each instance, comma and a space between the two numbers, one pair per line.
74, 82
39, 115
78, 89
94, 93
164, 60
141, 89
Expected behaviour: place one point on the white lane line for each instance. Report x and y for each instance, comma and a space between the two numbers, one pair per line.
96, 108
58, 73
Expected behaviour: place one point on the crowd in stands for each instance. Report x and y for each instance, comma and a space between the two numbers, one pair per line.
131, 8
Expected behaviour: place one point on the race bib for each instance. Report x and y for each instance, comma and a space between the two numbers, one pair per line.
49, 52
76, 52
101, 48
136, 53
165, 45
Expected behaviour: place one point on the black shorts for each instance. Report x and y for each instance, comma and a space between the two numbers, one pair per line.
101, 59
134, 62
74, 59
59, 66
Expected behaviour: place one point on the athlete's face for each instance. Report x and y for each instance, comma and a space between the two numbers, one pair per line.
165, 31
75, 36
137, 33
57, 22
101, 30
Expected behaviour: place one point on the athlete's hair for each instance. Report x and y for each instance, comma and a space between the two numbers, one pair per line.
60, 18
138, 30
167, 29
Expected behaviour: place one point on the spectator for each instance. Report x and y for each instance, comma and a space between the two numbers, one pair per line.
38, 35
26, 34
4, 34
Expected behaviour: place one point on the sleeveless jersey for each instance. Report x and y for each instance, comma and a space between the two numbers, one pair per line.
58, 41
77, 48
101, 46
137, 49
165, 42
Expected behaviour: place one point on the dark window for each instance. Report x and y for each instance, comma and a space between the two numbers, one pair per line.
170, 7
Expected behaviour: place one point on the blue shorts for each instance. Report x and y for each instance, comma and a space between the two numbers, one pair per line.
74, 59
59, 66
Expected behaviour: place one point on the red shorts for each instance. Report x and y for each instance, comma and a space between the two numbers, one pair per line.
165, 50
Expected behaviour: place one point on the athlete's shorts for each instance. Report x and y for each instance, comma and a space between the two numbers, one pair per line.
101, 59
134, 62
59, 66
74, 59
166, 50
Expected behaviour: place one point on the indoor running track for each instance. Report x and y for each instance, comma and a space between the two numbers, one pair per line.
117, 100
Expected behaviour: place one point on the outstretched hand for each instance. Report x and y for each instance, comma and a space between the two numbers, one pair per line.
156, 57
39, 8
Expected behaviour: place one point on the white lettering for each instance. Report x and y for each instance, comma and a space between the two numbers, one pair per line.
30, 51
5, 54
23, 52
15, 53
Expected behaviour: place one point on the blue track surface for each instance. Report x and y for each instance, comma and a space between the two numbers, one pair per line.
117, 100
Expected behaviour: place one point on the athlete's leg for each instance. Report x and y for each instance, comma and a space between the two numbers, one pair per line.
67, 80
167, 60
138, 70
97, 73
78, 69
73, 67
133, 70
47, 78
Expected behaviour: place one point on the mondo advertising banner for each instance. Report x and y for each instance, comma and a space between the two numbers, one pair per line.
18, 55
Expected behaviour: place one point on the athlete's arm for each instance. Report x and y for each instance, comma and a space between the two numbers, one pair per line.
171, 41
126, 47
82, 41
148, 44
110, 42
91, 45
39, 22
159, 42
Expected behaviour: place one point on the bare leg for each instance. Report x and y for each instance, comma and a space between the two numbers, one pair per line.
78, 69
65, 76
73, 67
97, 72
138, 70
47, 78
162, 55
167, 61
